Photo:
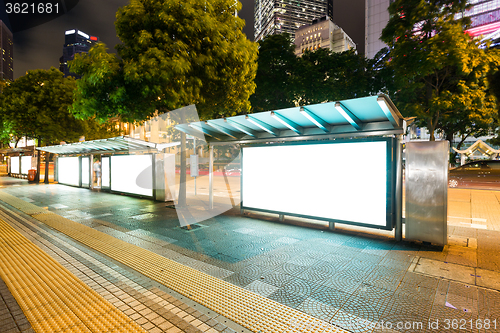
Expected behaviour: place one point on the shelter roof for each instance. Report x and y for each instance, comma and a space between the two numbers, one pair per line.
118, 144
373, 115
15, 151
478, 145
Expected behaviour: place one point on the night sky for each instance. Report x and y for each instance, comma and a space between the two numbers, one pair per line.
41, 47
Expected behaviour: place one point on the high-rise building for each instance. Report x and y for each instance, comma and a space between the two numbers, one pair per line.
485, 18
279, 16
75, 41
363, 21
322, 34
7, 49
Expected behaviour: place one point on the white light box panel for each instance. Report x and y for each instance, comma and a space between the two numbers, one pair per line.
85, 171
334, 181
68, 170
14, 164
132, 174
25, 164
105, 172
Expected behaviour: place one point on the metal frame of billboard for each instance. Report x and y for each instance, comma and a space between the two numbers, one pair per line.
390, 182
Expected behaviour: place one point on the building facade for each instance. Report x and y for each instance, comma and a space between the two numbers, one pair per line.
377, 16
7, 49
484, 16
363, 21
324, 34
273, 17
75, 41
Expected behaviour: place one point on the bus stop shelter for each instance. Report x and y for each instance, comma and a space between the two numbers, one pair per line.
128, 165
354, 145
19, 160
319, 133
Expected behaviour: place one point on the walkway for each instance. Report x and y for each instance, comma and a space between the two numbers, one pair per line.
355, 280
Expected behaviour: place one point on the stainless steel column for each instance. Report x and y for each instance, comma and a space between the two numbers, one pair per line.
426, 180
211, 178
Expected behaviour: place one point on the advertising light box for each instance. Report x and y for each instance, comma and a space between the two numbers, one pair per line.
68, 170
344, 182
14, 164
132, 174
85, 171
25, 164
105, 172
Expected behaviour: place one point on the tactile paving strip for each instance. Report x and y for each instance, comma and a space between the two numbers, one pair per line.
255, 312
51, 297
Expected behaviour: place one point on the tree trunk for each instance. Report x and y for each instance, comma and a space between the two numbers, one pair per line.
38, 162
462, 141
47, 158
449, 137
432, 124
431, 131
182, 187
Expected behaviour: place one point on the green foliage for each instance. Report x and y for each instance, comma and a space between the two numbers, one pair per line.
324, 76
173, 53
101, 90
284, 80
36, 105
94, 130
440, 72
276, 87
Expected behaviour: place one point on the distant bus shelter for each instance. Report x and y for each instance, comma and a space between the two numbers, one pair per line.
480, 146
130, 166
19, 160
355, 145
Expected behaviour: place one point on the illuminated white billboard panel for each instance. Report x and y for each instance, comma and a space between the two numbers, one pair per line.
337, 181
85, 171
14, 164
68, 170
105, 172
132, 174
25, 164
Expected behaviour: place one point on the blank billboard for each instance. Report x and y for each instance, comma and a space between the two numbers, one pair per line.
25, 164
68, 170
345, 181
105, 172
85, 171
132, 174
14, 164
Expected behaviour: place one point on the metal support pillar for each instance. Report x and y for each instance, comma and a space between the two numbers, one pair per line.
282, 218
56, 157
398, 232
92, 171
211, 178
331, 226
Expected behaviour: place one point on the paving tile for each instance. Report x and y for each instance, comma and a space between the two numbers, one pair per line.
349, 270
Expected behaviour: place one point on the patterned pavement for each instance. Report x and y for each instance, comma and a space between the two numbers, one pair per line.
360, 281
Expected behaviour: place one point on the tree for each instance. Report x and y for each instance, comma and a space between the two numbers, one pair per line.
276, 86
94, 129
284, 80
173, 53
440, 72
324, 75
36, 106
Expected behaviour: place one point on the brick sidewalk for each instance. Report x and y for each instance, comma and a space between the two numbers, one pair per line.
353, 278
